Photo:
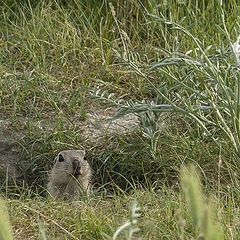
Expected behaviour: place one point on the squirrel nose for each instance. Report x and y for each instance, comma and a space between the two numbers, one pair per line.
76, 165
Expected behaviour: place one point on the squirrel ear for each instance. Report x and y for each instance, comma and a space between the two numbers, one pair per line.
60, 158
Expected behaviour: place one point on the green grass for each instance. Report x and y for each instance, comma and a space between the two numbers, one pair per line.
54, 55
163, 214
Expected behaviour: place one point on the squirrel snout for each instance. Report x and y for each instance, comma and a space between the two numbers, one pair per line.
76, 167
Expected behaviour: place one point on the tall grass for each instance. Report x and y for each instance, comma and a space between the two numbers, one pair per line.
51, 33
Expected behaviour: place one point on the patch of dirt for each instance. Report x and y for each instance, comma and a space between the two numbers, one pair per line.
9, 152
98, 124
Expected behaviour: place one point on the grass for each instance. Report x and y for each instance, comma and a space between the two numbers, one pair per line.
90, 218
54, 55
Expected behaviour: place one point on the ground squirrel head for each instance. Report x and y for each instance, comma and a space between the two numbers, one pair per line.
70, 175
69, 164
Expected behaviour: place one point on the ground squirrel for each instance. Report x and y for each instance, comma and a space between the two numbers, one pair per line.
70, 176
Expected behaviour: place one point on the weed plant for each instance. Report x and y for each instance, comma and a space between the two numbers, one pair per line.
202, 84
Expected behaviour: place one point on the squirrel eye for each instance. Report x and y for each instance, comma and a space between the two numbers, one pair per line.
60, 158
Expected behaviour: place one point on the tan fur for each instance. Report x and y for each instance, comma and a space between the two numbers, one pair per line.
65, 181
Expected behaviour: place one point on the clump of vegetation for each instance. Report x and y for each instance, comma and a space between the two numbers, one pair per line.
201, 84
